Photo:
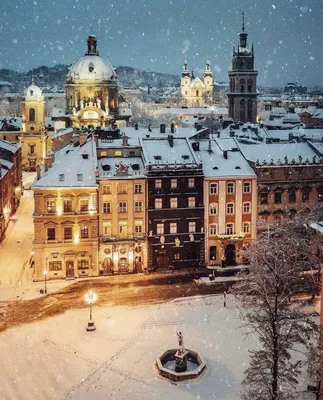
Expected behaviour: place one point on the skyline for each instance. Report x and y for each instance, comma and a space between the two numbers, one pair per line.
154, 35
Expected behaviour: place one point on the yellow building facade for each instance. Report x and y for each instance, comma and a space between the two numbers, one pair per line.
36, 144
197, 92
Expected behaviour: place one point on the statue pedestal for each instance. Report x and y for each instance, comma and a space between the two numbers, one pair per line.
181, 361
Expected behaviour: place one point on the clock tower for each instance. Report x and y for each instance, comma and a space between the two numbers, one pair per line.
242, 96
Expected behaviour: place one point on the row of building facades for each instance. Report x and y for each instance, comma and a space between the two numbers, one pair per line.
137, 200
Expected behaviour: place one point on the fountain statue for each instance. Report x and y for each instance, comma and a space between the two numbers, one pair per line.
181, 355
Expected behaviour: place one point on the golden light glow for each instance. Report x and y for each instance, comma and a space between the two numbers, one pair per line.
59, 211
92, 212
6, 210
45, 272
18, 189
115, 257
90, 297
76, 238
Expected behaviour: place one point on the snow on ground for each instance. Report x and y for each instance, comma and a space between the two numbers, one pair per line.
57, 359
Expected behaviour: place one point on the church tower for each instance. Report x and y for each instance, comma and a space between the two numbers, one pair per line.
34, 139
242, 96
208, 76
185, 80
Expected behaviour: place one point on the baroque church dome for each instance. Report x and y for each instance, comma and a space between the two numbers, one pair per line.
33, 92
91, 67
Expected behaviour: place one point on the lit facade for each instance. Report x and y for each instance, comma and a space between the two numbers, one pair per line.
197, 92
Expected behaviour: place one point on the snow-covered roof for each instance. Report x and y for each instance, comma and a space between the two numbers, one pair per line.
62, 132
216, 165
58, 112
158, 151
74, 166
193, 111
317, 226
108, 167
10, 146
91, 68
33, 92
276, 152
5, 163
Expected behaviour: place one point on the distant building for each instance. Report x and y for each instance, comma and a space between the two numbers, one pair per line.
294, 88
197, 92
10, 182
242, 94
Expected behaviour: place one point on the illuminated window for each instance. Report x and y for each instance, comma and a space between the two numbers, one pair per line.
158, 183
51, 206
158, 203
173, 183
117, 153
191, 182
173, 227
54, 265
138, 227
123, 228
160, 229
191, 202
107, 228
173, 202
84, 232
82, 264
192, 227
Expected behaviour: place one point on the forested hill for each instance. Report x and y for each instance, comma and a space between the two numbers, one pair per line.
55, 77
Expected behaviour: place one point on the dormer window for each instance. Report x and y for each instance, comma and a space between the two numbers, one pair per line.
80, 177
61, 177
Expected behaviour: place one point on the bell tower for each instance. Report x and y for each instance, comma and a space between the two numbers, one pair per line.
34, 140
242, 96
208, 76
185, 80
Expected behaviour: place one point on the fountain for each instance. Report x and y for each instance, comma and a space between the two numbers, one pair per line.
180, 364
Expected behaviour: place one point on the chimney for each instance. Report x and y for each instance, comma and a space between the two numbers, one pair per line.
136, 127
125, 140
225, 154
171, 140
162, 128
210, 146
149, 128
96, 139
172, 127
196, 146
47, 163
38, 171
83, 138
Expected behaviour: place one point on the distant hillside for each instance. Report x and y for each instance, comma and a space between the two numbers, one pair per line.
55, 77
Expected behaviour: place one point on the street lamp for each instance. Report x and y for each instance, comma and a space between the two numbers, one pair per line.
90, 298
45, 274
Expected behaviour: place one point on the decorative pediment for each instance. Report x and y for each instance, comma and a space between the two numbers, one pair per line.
197, 83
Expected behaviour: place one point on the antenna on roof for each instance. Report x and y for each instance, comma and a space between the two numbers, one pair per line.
243, 27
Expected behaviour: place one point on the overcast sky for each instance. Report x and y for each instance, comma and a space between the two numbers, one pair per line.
158, 34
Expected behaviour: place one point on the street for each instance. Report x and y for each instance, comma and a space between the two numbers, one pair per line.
112, 291
15, 249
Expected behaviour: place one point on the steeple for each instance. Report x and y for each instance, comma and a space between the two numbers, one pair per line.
207, 71
91, 46
185, 69
243, 35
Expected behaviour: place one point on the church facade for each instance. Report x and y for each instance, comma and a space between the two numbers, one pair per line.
242, 96
197, 92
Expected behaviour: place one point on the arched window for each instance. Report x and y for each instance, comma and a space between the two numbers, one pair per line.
242, 85
249, 85
213, 253
242, 88
249, 110
242, 110
32, 114
197, 93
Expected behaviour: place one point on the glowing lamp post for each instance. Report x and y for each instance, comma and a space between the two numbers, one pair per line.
90, 298
45, 288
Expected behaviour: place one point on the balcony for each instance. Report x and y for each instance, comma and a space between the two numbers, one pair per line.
136, 237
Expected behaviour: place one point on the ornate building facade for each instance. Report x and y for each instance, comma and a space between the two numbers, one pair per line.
36, 144
197, 92
242, 96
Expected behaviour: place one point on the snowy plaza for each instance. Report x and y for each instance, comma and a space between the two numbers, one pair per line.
57, 358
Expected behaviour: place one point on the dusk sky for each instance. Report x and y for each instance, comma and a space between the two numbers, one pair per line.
158, 35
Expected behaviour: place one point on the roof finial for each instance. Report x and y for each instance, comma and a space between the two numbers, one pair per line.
243, 27
91, 29
32, 79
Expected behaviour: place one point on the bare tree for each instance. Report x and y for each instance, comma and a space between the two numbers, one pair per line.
282, 265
